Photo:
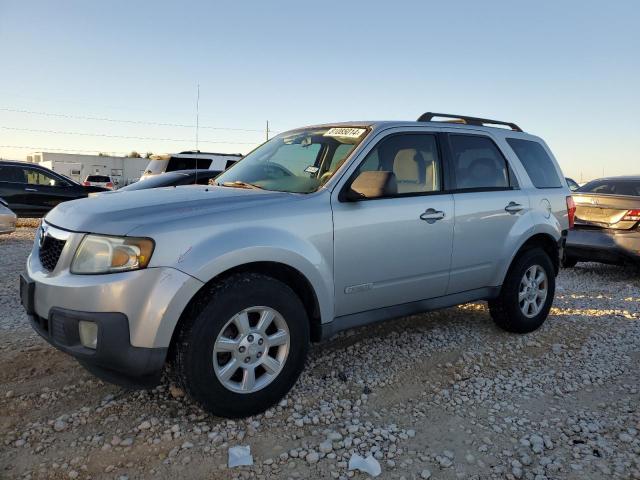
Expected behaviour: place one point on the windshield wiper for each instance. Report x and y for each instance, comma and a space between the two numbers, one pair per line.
239, 184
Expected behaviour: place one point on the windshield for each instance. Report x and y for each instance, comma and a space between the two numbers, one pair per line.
300, 161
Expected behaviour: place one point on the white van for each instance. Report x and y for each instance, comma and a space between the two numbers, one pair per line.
189, 161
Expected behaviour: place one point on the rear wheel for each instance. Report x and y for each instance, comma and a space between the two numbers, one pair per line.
527, 293
245, 348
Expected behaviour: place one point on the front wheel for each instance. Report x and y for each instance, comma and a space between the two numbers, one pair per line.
245, 348
527, 293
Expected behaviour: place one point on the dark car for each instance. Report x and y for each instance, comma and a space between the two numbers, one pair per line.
607, 222
173, 179
32, 190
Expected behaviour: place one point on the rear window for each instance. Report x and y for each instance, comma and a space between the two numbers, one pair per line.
536, 162
98, 178
612, 187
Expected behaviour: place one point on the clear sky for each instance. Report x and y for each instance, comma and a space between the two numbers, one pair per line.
568, 71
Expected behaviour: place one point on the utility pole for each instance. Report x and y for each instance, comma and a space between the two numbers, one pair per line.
267, 130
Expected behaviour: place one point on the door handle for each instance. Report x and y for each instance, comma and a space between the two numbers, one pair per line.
431, 215
30, 190
513, 207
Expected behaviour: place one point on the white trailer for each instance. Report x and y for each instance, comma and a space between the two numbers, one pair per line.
189, 161
123, 170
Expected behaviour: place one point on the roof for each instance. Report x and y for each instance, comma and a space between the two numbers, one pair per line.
635, 178
385, 124
21, 163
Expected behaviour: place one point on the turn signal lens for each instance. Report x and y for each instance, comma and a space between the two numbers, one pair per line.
571, 211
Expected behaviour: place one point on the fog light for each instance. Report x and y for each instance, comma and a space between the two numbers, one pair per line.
88, 334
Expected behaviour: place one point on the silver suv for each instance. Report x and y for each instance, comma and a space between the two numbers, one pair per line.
318, 230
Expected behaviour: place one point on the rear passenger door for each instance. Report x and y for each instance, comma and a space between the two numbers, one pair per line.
490, 210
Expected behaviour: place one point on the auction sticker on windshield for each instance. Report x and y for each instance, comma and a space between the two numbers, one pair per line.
348, 132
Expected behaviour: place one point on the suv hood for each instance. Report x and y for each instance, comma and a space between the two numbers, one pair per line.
119, 213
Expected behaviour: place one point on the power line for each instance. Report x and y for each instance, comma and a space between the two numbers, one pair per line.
128, 137
116, 120
46, 149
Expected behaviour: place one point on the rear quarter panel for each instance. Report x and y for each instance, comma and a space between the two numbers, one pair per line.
548, 206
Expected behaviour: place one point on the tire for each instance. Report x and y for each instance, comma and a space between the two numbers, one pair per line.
203, 350
507, 309
569, 262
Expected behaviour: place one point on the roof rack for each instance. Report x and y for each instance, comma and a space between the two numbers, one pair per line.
480, 122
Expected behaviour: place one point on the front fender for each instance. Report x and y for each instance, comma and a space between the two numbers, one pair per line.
229, 249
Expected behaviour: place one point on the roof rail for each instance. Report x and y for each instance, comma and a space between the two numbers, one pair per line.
480, 122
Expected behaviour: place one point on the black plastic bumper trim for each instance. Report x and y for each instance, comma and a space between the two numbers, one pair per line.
114, 360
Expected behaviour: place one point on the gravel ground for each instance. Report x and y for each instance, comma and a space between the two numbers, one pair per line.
439, 395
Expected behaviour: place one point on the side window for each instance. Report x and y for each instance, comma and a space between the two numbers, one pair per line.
412, 158
35, 177
478, 163
12, 174
536, 162
189, 163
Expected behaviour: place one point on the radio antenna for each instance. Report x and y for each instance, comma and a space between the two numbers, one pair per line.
197, 129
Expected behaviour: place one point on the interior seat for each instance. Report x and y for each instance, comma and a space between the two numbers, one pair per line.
410, 170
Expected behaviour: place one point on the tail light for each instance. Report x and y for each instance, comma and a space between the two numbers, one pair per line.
631, 216
109, 185
86, 184
571, 211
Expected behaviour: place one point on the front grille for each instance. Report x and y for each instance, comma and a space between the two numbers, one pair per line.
50, 251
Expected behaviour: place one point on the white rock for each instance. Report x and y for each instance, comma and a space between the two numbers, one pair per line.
367, 465
312, 457
326, 446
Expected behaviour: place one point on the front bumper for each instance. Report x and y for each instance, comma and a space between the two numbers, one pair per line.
604, 245
136, 312
114, 359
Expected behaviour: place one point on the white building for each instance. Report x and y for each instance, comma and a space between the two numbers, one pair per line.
123, 170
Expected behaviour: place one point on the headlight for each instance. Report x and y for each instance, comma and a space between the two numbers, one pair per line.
102, 254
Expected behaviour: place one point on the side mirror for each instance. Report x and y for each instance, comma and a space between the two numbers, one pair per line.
375, 184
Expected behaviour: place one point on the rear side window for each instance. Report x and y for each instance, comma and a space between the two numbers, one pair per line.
536, 162
478, 164
178, 163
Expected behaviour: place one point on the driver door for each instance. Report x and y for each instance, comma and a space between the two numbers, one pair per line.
389, 251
